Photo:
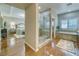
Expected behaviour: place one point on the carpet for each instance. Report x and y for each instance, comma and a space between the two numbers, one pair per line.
66, 45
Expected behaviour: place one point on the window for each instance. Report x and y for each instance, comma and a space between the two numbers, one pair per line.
70, 24
64, 24
73, 24
68, 21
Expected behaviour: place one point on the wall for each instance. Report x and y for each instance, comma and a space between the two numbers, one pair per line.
31, 26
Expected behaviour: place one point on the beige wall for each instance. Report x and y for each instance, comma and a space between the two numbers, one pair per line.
31, 26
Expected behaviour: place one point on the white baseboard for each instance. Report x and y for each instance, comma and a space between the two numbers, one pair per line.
44, 43
40, 46
31, 47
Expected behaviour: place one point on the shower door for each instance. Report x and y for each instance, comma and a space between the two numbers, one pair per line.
44, 28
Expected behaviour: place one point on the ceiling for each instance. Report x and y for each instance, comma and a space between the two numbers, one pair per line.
8, 10
45, 6
56, 7
19, 5
59, 7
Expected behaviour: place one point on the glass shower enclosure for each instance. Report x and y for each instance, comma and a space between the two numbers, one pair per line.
44, 27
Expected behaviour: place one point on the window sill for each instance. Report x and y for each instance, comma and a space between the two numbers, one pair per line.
71, 33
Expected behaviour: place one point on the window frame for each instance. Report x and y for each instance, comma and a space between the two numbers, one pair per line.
60, 18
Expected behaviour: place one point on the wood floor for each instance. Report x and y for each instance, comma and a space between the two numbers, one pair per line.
47, 50
16, 47
12, 47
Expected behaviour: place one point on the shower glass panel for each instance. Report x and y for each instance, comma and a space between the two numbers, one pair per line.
44, 27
